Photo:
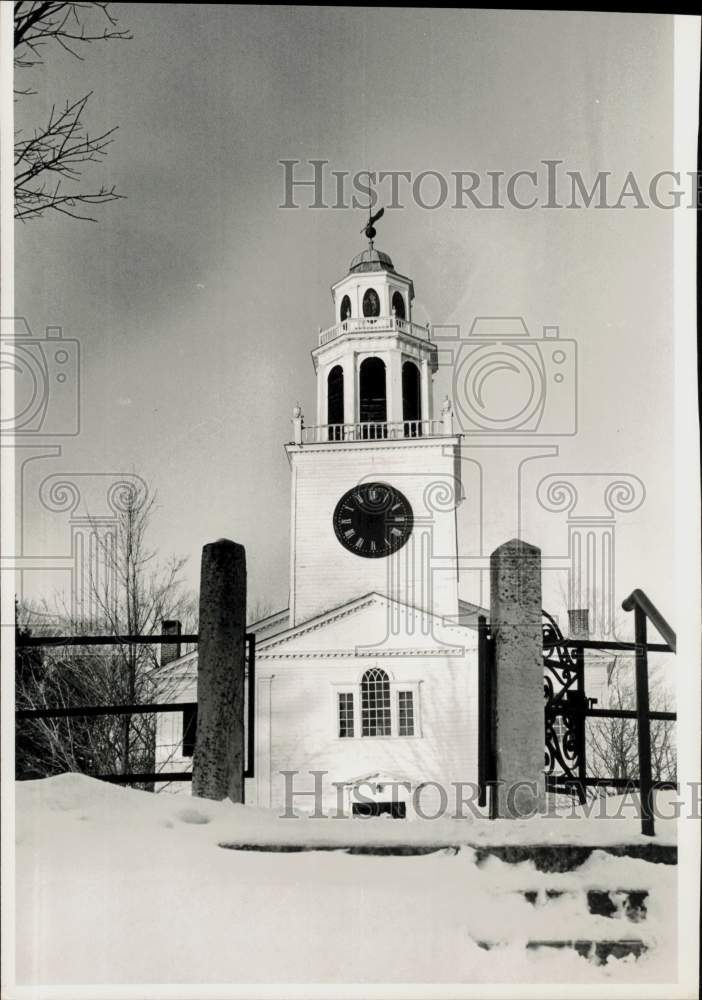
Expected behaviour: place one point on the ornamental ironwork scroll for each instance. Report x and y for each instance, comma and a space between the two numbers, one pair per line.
564, 711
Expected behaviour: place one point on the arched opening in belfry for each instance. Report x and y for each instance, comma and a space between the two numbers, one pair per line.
398, 305
371, 303
373, 409
345, 311
335, 402
411, 400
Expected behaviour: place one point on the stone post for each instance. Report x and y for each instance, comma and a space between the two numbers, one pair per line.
515, 613
218, 762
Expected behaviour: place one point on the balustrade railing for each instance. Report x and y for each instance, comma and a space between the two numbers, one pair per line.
373, 431
374, 324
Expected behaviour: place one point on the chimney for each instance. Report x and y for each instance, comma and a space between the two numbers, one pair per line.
170, 650
578, 623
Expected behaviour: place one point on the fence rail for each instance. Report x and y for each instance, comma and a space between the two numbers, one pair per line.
90, 711
103, 640
566, 700
644, 611
94, 711
146, 778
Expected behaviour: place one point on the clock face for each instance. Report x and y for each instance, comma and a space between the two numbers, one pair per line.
373, 520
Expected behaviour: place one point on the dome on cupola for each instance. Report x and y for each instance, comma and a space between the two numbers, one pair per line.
371, 260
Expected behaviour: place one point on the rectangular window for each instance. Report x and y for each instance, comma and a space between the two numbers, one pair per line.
345, 714
189, 730
405, 704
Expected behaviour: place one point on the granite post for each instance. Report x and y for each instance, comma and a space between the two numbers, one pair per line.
218, 761
515, 613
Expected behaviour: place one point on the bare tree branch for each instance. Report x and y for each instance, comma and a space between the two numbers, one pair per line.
58, 151
612, 748
132, 593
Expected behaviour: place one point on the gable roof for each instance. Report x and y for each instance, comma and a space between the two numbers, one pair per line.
391, 628
372, 625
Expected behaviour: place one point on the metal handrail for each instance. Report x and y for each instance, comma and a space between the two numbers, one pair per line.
644, 610
637, 598
173, 639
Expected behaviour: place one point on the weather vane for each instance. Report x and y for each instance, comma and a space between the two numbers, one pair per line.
368, 229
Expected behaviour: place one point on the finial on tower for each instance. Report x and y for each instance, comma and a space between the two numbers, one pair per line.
368, 229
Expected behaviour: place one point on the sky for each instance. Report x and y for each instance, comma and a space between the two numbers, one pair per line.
197, 299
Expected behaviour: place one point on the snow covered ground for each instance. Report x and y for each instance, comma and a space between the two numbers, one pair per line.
120, 886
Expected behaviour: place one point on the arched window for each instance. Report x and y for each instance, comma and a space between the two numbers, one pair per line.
411, 399
373, 399
371, 303
345, 311
335, 402
375, 703
398, 305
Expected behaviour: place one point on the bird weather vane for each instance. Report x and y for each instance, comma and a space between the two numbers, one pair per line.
369, 229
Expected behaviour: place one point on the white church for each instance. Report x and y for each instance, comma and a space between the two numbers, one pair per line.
371, 674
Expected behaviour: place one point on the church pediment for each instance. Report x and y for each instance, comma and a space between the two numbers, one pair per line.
373, 626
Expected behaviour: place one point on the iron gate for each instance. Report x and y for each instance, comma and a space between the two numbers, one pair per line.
567, 708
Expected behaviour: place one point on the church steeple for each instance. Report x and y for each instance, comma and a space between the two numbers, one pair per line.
364, 472
374, 364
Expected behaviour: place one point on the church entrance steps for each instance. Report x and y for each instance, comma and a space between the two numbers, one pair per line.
596, 952
568, 857
545, 857
601, 904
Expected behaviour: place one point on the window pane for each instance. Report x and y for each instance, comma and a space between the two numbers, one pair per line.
345, 714
406, 713
375, 703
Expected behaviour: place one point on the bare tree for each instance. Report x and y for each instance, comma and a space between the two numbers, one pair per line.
612, 744
49, 162
134, 597
260, 608
134, 593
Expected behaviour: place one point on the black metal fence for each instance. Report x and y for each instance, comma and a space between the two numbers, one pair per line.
187, 709
567, 709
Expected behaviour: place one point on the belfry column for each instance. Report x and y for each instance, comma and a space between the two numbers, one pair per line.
322, 396
393, 385
349, 366
426, 391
